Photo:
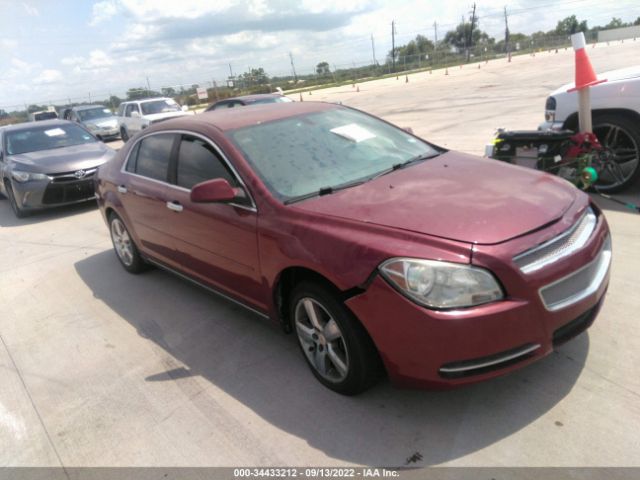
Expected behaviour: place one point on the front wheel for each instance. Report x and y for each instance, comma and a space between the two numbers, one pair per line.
621, 137
336, 347
126, 250
123, 134
17, 211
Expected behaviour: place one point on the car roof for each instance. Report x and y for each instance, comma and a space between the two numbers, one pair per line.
233, 118
253, 98
143, 100
41, 123
87, 107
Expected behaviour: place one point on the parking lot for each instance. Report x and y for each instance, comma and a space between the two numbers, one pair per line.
104, 368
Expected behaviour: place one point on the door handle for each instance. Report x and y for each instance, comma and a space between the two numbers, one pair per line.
122, 189
175, 206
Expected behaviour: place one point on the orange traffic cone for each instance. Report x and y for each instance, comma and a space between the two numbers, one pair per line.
585, 75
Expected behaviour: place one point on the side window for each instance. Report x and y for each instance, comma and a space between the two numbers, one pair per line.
133, 158
220, 105
132, 107
198, 161
152, 156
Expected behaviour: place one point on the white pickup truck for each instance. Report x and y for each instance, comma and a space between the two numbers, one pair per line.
616, 117
136, 115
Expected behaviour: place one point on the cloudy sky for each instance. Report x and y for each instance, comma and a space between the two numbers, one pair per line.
51, 51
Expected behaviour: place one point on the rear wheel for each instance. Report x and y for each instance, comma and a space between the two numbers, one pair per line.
125, 248
18, 212
621, 137
335, 345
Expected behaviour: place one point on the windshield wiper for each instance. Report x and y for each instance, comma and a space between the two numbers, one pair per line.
406, 163
324, 191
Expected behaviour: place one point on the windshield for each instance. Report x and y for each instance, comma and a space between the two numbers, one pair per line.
297, 156
46, 138
159, 106
94, 113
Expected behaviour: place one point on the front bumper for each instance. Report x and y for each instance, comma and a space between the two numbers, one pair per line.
41, 194
443, 349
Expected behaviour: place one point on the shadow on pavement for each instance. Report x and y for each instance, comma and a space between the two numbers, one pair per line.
8, 219
254, 362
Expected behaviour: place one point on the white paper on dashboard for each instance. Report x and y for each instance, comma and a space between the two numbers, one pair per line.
353, 132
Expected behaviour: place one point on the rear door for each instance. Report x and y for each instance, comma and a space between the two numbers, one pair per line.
144, 194
214, 242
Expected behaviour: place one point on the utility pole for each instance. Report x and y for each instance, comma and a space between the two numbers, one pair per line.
473, 24
435, 42
215, 88
293, 67
148, 87
506, 32
373, 48
393, 44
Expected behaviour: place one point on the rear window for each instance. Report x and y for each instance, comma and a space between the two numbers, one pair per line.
159, 106
151, 158
45, 116
46, 138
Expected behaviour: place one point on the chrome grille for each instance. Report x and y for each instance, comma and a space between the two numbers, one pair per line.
72, 177
559, 247
579, 284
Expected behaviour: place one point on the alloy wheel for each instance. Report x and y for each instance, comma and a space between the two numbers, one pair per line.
626, 155
321, 340
122, 242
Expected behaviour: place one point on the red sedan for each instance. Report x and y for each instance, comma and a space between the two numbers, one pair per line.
381, 251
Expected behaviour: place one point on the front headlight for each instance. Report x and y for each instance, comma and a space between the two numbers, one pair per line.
437, 284
22, 177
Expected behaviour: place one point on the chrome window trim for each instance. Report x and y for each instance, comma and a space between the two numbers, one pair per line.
557, 239
506, 358
123, 169
603, 258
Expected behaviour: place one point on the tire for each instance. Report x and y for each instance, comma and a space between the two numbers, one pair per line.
334, 344
18, 212
124, 246
621, 136
123, 134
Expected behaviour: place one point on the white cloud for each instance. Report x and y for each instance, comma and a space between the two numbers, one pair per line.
150, 10
48, 76
30, 9
103, 11
74, 60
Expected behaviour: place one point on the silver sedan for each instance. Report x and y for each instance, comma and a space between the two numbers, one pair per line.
48, 163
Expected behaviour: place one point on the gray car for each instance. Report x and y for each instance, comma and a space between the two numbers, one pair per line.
98, 119
48, 163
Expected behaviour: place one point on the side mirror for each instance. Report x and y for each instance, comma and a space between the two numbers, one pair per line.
216, 190
185, 108
135, 114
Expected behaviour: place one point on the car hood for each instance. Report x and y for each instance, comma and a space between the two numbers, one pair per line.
454, 196
163, 116
66, 159
106, 122
610, 76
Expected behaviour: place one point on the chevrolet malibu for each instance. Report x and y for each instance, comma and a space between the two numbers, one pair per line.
48, 163
379, 250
